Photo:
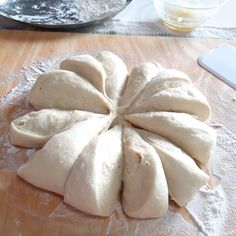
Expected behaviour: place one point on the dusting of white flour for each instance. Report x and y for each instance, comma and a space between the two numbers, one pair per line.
211, 210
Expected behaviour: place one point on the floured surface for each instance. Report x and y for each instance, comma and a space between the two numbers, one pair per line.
211, 212
26, 210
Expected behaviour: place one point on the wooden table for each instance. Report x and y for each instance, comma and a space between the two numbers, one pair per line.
19, 48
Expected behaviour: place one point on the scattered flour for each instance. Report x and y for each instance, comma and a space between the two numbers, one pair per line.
12, 150
17, 222
210, 210
30, 152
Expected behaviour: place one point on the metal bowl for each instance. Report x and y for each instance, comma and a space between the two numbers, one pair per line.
61, 13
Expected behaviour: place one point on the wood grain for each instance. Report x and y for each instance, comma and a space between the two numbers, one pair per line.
18, 49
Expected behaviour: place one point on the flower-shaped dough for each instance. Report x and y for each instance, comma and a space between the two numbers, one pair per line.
98, 127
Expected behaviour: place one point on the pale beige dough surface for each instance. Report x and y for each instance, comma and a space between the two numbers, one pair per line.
92, 147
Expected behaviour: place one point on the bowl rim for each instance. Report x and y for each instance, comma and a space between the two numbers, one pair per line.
216, 5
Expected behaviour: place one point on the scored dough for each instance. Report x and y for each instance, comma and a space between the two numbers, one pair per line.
140, 76
192, 135
183, 176
50, 166
103, 130
145, 192
36, 128
66, 90
185, 99
94, 182
87, 67
117, 73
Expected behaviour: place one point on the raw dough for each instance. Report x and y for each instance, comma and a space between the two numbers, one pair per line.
94, 182
145, 192
193, 136
117, 73
183, 176
36, 128
86, 156
66, 90
87, 67
49, 167
140, 76
165, 79
185, 99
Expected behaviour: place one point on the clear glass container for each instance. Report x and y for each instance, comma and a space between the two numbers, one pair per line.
186, 15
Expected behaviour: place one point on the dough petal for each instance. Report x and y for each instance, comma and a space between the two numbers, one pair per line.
145, 192
140, 76
65, 90
94, 183
183, 176
117, 73
164, 80
190, 134
185, 99
36, 128
50, 166
87, 67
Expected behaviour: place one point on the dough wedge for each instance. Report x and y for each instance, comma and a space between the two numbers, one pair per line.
183, 176
145, 192
93, 185
140, 76
50, 166
117, 73
34, 129
195, 137
66, 90
185, 99
87, 67
165, 79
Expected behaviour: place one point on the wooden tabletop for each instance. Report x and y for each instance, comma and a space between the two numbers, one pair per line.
20, 48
